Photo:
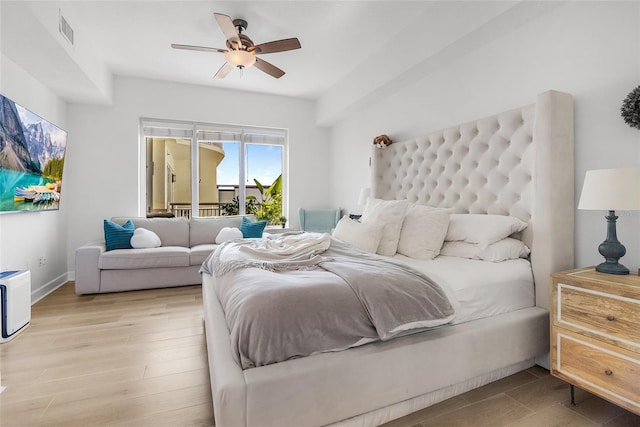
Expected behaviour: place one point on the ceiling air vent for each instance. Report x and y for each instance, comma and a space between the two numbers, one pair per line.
65, 29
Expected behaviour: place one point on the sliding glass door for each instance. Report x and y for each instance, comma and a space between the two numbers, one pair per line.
240, 170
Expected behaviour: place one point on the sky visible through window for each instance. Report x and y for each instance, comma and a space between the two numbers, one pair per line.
264, 163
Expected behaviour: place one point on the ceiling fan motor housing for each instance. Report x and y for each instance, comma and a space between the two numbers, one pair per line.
240, 24
246, 42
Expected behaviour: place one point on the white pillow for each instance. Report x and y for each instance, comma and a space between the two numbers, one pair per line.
228, 233
461, 249
423, 231
501, 250
390, 214
363, 236
505, 249
483, 229
143, 238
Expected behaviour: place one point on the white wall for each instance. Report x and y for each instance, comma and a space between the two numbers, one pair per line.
103, 160
26, 236
589, 49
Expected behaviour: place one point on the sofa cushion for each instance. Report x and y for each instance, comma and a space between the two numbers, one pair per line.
172, 231
204, 230
127, 259
200, 252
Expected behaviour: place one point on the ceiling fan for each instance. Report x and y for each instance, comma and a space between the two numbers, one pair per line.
241, 51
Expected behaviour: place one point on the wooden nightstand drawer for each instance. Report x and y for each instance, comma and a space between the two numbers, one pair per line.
595, 333
599, 313
614, 375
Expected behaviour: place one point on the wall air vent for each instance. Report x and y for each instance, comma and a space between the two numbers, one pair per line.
65, 29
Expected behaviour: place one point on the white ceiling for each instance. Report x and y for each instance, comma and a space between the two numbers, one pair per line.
343, 42
134, 37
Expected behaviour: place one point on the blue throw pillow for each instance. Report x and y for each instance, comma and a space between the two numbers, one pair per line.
252, 229
118, 236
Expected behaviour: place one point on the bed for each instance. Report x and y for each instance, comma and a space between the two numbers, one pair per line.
518, 163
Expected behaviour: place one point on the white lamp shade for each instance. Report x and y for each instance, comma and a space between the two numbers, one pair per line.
365, 193
611, 190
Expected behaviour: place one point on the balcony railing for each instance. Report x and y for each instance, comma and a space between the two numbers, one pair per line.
205, 209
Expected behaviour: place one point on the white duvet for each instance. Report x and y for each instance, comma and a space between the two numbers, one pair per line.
477, 288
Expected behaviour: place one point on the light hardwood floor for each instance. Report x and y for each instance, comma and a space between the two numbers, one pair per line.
139, 359
123, 359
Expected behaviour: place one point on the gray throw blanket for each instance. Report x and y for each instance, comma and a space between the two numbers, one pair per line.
336, 299
396, 297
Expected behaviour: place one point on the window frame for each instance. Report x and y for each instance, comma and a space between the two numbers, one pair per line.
195, 131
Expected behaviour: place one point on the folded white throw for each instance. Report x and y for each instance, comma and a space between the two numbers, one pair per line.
280, 252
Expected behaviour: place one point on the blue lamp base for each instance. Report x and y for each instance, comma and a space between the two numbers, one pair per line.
612, 250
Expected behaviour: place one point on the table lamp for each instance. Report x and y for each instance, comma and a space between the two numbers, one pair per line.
611, 190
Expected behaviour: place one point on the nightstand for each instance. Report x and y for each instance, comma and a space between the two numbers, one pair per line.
595, 334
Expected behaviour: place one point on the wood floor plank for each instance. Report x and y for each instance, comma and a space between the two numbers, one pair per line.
498, 410
117, 408
554, 415
24, 391
128, 388
176, 366
25, 412
193, 416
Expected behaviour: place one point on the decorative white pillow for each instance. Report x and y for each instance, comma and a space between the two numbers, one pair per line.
390, 214
501, 250
423, 231
228, 233
505, 249
143, 239
363, 236
483, 229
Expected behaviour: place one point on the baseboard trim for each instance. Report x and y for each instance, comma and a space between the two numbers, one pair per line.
47, 288
544, 361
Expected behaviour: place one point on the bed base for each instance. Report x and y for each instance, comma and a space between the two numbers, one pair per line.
399, 376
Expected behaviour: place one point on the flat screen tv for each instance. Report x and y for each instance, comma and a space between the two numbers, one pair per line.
31, 160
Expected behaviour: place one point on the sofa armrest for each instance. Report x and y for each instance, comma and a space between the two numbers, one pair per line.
87, 270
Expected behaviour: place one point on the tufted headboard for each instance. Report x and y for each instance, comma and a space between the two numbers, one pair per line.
517, 163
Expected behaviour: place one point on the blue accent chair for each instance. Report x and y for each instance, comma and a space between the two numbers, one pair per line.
319, 220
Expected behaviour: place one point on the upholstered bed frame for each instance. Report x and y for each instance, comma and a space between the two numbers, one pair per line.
518, 163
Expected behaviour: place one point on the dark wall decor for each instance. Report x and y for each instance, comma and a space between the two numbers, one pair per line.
631, 108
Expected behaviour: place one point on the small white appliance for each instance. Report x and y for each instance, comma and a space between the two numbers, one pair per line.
15, 303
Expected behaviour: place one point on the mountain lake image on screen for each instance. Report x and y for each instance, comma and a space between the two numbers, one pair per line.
31, 160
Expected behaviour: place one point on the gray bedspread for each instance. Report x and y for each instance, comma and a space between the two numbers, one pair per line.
345, 298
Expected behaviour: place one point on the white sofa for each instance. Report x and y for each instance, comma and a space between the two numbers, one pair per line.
185, 244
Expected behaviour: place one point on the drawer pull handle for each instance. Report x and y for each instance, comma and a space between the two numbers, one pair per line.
608, 372
611, 318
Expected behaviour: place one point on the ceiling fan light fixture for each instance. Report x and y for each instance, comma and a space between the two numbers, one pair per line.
240, 58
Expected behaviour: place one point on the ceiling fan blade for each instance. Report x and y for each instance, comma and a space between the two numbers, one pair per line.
201, 48
269, 68
223, 71
277, 46
227, 27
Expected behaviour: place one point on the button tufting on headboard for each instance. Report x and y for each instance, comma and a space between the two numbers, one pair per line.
482, 167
